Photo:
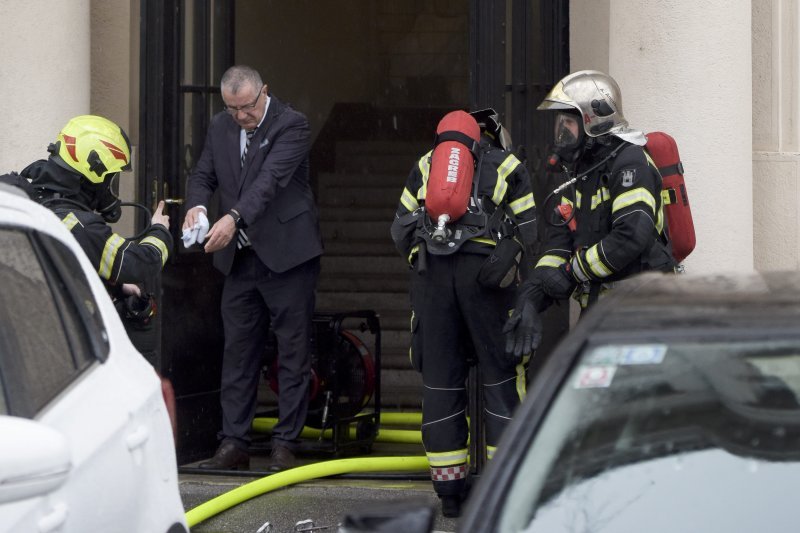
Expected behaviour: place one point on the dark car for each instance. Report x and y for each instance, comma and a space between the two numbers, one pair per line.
673, 406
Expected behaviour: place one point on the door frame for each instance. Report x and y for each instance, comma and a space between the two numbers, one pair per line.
190, 349
512, 80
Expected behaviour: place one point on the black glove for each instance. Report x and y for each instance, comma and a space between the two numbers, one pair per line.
523, 329
557, 283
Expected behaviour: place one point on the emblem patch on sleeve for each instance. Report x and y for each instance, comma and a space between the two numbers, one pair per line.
628, 177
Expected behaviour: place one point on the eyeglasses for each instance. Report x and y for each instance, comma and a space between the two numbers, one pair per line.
247, 107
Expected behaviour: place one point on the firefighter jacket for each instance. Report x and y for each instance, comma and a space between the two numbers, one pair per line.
618, 225
501, 182
116, 259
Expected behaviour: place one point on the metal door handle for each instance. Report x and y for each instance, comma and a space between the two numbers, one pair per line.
173, 201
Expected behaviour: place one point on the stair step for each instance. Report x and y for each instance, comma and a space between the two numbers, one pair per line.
376, 163
396, 319
355, 230
361, 269
392, 264
408, 378
338, 301
358, 197
393, 147
396, 361
360, 247
369, 283
347, 214
334, 180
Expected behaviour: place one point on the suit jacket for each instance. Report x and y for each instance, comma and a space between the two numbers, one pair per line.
271, 190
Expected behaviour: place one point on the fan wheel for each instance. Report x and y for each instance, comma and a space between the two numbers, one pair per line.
342, 375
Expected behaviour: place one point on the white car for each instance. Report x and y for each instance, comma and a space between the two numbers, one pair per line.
86, 442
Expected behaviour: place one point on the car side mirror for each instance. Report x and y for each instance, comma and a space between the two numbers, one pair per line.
399, 517
34, 459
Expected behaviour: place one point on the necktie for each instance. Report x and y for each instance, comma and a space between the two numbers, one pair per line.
249, 136
241, 237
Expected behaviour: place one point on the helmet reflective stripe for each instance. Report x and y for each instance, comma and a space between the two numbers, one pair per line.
159, 245
447, 458
94, 147
113, 244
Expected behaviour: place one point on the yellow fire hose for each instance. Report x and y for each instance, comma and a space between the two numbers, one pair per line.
272, 482
405, 436
269, 483
401, 419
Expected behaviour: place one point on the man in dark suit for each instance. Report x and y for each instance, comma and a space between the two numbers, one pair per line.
267, 244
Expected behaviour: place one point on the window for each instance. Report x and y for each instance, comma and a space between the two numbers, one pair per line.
640, 431
82, 318
50, 328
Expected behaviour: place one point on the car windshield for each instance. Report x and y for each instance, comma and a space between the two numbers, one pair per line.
685, 436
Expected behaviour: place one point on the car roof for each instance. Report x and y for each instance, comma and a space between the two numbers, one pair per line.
16, 209
733, 301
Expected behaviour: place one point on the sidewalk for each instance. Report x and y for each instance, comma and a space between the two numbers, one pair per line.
325, 501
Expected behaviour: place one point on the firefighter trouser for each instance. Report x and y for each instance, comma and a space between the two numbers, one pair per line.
455, 319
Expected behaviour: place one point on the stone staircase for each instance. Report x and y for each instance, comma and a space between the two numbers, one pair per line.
361, 269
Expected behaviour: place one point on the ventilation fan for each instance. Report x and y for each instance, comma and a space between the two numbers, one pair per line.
344, 375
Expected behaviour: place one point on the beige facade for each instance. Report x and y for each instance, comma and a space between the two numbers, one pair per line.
727, 91
45, 75
692, 79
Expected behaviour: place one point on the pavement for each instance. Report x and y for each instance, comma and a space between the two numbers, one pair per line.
324, 501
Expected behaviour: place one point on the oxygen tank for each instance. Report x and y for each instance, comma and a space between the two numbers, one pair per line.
452, 169
678, 213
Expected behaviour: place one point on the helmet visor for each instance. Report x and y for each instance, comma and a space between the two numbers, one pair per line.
567, 131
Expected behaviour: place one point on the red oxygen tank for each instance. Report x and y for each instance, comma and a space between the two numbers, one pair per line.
678, 213
452, 167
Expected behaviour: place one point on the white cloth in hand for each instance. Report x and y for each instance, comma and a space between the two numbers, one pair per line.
197, 233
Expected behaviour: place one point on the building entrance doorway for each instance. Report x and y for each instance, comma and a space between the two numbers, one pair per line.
373, 77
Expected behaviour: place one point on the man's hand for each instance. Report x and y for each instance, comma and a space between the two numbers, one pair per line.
131, 289
523, 330
159, 217
220, 234
191, 218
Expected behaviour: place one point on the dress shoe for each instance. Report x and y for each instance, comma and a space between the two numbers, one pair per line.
228, 457
281, 458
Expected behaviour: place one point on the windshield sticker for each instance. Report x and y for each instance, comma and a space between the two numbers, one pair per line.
628, 354
592, 377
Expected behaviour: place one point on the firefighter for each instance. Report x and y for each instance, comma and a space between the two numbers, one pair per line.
606, 222
78, 182
462, 290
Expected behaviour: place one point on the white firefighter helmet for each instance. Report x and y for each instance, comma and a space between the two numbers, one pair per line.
597, 98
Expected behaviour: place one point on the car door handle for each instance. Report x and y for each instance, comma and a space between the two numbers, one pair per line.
54, 519
137, 438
